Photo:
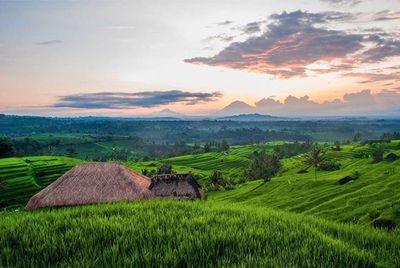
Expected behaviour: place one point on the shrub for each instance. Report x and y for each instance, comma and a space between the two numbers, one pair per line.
384, 223
7, 148
263, 166
216, 181
329, 166
165, 168
377, 154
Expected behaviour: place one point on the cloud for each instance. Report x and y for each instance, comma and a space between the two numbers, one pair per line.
363, 102
295, 44
220, 37
290, 43
252, 27
386, 15
374, 77
224, 23
383, 50
122, 100
49, 42
342, 2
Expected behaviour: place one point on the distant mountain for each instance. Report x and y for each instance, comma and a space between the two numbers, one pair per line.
235, 108
250, 117
166, 113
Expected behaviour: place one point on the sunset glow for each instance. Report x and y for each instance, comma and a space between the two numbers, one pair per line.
58, 58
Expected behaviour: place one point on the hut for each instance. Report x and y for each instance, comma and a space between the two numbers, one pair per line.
93, 183
391, 157
179, 186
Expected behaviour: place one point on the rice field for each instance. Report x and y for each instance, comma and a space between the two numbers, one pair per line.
292, 221
162, 233
374, 196
21, 178
230, 164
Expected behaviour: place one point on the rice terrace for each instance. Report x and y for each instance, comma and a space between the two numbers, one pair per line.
200, 133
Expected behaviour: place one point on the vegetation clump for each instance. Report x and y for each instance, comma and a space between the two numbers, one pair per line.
216, 181
377, 154
7, 148
263, 166
315, 158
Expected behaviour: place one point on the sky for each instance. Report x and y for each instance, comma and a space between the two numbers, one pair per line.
125, 58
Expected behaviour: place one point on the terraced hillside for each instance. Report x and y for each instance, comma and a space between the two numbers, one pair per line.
371, 198
20, 178
231, 163
252, 225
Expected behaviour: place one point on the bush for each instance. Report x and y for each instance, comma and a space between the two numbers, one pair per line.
377, 154
263, 166
329, 166
7, 148
384, 223
216, 181
165, 168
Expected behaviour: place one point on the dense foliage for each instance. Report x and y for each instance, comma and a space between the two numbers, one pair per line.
6, 147
263, 166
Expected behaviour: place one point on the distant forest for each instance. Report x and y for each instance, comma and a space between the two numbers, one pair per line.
133, 138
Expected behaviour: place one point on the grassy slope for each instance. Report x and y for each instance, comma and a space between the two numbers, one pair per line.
176, 234
233, 228
23, 177
374, 195
231, 164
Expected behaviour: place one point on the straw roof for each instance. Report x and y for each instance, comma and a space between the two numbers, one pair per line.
93, 183
179, 186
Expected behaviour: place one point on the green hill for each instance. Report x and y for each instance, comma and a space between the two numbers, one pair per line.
371, 198
294, 220
231, 163
20, 178
164, 233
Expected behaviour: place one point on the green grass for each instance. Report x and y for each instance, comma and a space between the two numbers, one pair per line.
294, 220
23, 177
373, 196
164, 233
231, 164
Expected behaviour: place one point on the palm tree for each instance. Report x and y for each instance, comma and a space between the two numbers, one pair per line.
314, 158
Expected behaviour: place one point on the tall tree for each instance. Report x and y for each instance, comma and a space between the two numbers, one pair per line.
165, 168
263, 166
216, 180
6, 147
377, 153
314, 158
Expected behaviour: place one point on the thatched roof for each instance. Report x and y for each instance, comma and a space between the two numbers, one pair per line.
93, 183
179, 186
